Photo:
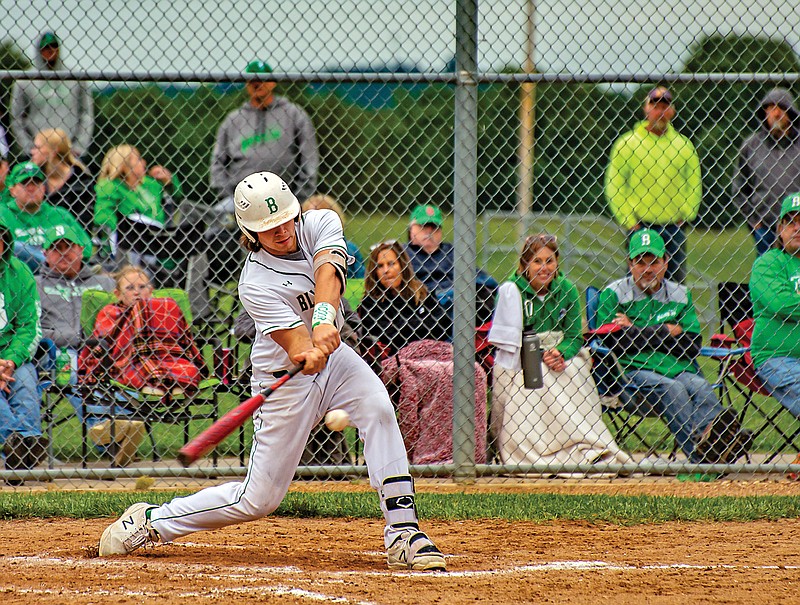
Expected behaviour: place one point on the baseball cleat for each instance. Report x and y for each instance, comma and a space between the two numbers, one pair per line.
131, 531
412, 549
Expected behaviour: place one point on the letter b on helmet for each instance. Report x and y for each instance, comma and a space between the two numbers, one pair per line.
263, 201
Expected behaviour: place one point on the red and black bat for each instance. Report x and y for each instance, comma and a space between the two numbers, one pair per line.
213, 435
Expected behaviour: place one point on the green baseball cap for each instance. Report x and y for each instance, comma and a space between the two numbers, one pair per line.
791, 203
426, 214
24, 172
67, 232
646, 241
48, 39
258, 67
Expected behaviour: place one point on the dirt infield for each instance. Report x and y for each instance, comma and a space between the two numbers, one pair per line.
280, 560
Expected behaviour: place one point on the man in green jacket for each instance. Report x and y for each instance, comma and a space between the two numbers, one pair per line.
20, 416
653, 179
775, 290
29, 217
653, 328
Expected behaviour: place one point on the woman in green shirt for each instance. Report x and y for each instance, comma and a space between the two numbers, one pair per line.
561, 422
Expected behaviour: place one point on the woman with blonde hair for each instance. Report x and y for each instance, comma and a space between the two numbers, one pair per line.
69, 183
321, 201
126, 188
561, 422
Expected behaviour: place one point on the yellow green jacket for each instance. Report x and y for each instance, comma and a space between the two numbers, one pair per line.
653, 179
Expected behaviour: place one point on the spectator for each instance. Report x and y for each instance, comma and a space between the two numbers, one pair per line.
69, 184
40, 104
134, 210
433, 262
319, 201
29, 216
61, 284
653, 179
20, 403
267, 133
151, 345
126, 188
769, 166
397, 308
560, 423
655, 332
775, 290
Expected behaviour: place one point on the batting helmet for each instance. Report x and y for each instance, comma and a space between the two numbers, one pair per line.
263, 201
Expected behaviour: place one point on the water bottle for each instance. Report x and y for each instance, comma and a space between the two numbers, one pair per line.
532, 361
63, 368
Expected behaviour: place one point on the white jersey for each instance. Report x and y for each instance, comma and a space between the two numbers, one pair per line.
278, 291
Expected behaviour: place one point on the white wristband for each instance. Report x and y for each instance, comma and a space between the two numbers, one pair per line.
324, 313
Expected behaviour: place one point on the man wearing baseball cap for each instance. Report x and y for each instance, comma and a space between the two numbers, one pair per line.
40, 104
434, 262
653, 179
775, 290
29, 216
657, 341
61, 283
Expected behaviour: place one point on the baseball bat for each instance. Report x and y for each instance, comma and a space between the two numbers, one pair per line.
213, 435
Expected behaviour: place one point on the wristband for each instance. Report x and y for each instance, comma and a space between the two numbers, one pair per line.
324, 313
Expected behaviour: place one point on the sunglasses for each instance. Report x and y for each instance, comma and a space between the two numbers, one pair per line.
387, 243
542, 238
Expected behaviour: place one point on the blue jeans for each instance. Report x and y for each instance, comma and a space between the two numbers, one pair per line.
687, 403
675, 243
764, 237
20, 408
782, 375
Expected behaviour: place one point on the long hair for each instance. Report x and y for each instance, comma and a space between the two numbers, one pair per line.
116, 162
58, 140
410, 286
534, 243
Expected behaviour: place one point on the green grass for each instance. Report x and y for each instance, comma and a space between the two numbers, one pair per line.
624, 510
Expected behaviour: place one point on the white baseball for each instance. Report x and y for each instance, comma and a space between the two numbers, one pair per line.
337, 420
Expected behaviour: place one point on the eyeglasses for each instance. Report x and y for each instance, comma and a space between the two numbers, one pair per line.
543, 238
387, 243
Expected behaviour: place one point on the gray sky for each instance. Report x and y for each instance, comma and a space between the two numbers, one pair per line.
583, 36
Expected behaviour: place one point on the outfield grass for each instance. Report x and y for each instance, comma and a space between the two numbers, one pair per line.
624, 510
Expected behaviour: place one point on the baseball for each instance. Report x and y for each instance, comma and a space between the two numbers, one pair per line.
337, 420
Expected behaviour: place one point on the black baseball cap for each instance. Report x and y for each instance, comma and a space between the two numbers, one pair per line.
660, 95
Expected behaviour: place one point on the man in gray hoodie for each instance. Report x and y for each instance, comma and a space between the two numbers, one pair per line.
769, 166
267, 133
40, 104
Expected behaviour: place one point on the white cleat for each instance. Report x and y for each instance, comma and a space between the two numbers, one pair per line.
131, 531
413, 550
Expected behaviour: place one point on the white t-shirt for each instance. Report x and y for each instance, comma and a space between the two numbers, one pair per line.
278, 291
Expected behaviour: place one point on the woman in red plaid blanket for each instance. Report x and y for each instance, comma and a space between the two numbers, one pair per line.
150, 346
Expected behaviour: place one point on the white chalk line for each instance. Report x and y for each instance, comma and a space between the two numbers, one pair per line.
255, 574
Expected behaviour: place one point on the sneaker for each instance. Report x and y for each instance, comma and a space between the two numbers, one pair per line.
719, 438
152, 391
15, 451
36, 447
131, 531
412, 549
129, 435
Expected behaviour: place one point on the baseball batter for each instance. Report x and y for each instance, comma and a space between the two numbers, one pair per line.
291, 285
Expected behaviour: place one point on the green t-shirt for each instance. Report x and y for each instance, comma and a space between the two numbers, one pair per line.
116, 199
559, 309
31, 228
775, 290
671, 304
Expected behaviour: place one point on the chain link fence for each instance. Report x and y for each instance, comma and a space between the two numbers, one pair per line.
444, 135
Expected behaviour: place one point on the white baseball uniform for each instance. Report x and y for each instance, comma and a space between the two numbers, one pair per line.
278, 293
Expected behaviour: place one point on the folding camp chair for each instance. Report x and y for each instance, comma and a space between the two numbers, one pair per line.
623, 402
761, 413
173, 407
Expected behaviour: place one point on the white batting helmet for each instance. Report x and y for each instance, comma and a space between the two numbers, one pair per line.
262, 201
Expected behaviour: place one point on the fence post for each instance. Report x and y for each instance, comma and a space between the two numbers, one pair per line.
465, 233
